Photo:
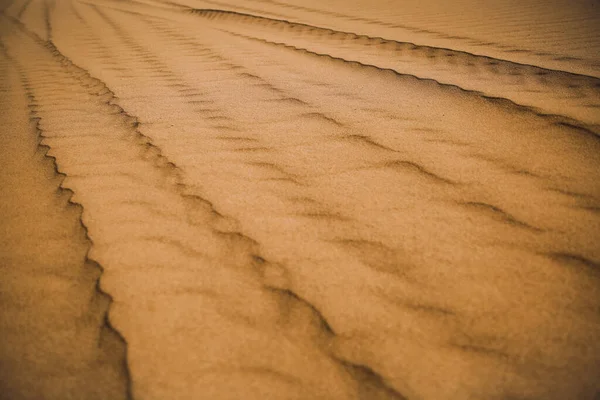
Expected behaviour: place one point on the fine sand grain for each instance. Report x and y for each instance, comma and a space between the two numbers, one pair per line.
296, 200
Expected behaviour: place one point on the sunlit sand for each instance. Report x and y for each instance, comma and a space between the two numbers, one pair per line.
295, 200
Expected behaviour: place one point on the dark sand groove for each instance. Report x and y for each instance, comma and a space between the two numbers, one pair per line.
409, 165
23, 8
570, 259
50, 299
47, 20
493, 210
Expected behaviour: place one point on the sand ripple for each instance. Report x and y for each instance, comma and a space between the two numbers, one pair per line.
288, 211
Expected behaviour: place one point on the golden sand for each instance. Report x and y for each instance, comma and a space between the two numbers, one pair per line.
292, 200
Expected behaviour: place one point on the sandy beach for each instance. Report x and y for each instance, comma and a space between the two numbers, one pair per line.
293, 199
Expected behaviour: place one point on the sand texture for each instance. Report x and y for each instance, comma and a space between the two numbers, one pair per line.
286, 199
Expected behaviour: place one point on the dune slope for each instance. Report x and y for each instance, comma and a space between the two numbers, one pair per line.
293, 210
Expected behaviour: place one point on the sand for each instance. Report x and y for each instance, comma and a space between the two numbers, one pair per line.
291, 200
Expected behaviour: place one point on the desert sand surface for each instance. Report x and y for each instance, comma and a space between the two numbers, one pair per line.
286, 199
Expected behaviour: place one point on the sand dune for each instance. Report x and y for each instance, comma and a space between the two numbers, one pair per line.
281, 207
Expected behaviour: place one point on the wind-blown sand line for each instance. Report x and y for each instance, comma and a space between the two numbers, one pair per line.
47, 17
23, 8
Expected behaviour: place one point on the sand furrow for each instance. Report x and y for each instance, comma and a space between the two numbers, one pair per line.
23, 8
